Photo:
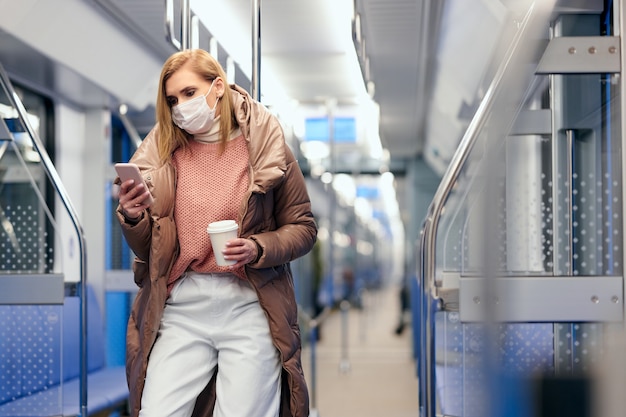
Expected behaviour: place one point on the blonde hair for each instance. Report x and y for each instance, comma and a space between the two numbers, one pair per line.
170, 136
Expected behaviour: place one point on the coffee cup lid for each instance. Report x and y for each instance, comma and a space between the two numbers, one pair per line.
222, 226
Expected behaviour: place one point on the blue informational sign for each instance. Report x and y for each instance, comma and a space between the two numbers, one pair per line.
345, 130
371, 193
318, 129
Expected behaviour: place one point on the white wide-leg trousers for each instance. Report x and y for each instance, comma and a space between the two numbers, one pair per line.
213, 320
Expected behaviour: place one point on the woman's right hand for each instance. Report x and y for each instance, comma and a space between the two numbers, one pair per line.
133, 199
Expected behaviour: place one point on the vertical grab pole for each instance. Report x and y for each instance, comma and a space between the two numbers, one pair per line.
185, 24
313, 341
569, 267
569, 170
256, 50
344, 364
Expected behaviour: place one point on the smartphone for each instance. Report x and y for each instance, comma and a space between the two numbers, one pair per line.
129, 171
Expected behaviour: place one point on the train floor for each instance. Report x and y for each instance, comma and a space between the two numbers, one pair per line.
362, 367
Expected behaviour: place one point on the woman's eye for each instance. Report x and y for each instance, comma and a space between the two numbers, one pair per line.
171, 102
190, 93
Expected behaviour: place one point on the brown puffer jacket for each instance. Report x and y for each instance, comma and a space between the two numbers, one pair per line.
276, 214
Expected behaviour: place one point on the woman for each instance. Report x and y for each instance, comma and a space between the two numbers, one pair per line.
203, 339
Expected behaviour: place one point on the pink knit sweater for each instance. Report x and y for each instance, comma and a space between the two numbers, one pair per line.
210, 187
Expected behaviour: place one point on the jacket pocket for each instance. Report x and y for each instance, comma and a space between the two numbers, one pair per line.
261, 277
140, 272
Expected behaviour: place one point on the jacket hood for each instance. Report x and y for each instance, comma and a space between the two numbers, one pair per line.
267, 152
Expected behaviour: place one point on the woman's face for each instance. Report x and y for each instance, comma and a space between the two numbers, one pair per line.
185, 84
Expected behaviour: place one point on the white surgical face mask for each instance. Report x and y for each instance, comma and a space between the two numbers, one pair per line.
195, 115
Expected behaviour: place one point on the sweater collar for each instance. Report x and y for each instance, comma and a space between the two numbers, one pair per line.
213, 135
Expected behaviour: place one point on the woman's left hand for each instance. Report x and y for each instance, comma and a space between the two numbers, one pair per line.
244, 251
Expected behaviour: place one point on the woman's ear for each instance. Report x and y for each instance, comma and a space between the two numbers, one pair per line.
220, 86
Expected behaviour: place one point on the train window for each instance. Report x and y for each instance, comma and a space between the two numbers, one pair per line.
26, 197
122, 146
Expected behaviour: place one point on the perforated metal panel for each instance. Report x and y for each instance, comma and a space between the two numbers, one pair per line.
30, 359
23, 244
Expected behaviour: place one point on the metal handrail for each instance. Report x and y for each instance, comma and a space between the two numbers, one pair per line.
169, 24
186, 25
82, 245
426, 258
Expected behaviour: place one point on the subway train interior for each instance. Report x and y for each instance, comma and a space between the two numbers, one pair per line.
465, 167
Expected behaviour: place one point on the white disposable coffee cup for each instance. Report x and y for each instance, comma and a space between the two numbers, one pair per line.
220, 233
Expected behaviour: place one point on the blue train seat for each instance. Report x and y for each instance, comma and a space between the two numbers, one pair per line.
39, 361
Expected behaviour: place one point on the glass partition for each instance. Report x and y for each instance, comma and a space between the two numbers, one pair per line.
529, 232
37, 272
